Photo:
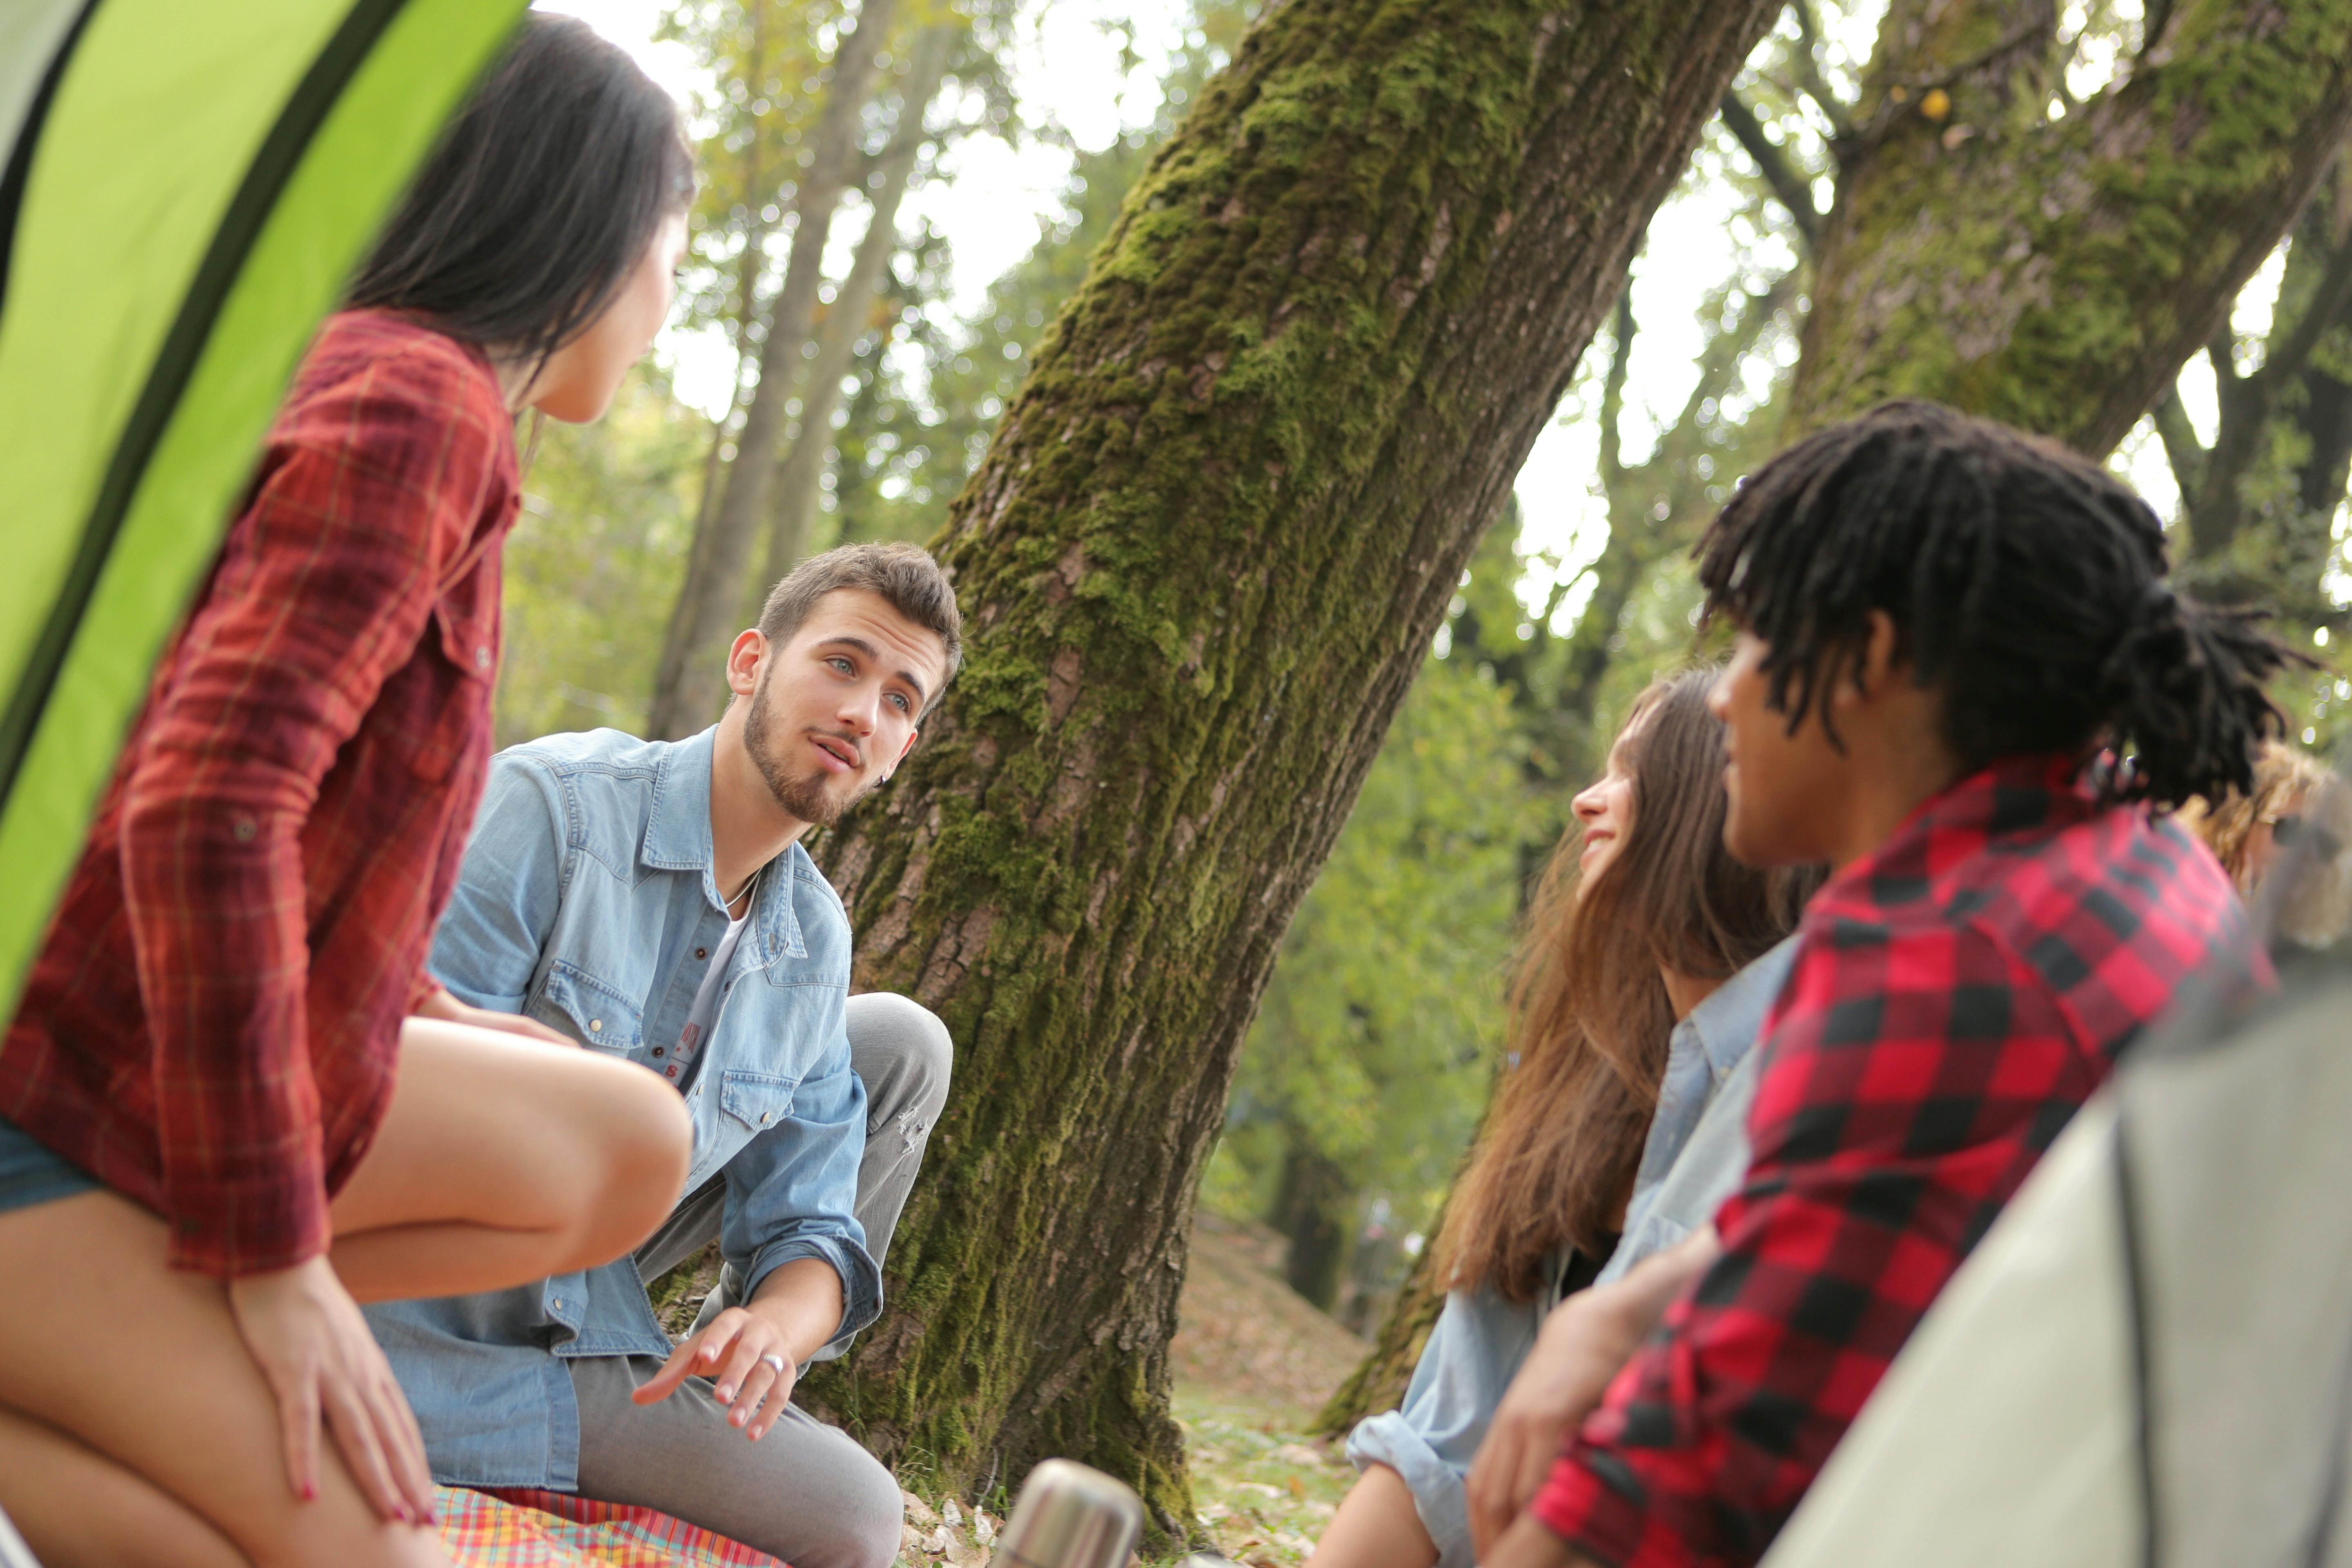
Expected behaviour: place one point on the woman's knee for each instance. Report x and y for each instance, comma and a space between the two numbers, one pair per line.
637, 1141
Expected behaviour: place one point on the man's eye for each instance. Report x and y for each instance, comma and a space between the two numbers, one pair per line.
842, 665
904, 706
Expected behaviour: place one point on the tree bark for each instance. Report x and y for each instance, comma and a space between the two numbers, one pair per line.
1205, 554
2055, 274
689, 687
800, 476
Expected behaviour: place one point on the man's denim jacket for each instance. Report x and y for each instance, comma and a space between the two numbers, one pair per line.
586, 891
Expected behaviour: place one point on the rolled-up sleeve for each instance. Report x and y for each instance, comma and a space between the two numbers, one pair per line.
1476, 1347
792, 1192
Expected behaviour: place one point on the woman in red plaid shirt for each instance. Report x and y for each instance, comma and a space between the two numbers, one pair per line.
233, 1101
1947, 634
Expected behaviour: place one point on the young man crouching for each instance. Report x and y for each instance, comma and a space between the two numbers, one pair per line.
651, 901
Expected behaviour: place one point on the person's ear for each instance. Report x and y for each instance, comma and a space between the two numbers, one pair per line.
744, 661
1875, 663
912, 736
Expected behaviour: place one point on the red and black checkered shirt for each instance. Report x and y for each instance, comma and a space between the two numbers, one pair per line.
1955, 998
212, 1025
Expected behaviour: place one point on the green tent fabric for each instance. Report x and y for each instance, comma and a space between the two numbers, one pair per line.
187, 187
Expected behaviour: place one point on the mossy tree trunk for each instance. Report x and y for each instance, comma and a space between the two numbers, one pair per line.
1200, 564
2055, 272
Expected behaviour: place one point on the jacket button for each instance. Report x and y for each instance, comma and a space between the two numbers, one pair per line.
482, 659
595, 1026
658, 1050
702, 953
765, 1117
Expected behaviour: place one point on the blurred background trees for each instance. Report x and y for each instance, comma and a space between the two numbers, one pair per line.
2086, 216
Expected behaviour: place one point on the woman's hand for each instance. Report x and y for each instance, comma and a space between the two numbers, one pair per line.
732, 1351
449, 1010
305, 1333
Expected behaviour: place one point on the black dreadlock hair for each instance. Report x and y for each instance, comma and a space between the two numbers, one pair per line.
2025, 580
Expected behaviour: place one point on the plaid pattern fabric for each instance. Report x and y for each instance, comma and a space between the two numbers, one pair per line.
210, 1028
1955, 998
514, 1527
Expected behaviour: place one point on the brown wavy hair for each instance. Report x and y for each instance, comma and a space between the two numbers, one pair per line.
1590, 1016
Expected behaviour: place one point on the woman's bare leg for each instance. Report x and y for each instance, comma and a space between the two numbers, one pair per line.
502, 1161
78, 1509
1376, 1527
150, 1374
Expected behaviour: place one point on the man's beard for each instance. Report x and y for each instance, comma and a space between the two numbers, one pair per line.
805, 797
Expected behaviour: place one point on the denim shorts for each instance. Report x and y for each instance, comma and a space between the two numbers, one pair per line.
30, 1174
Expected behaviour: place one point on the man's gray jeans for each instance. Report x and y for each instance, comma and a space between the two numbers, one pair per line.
807, 1492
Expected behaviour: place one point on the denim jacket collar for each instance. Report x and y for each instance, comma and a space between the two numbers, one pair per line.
677, 838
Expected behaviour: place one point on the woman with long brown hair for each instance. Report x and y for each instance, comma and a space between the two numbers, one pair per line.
1649, 960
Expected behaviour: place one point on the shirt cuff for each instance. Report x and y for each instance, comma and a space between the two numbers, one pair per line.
1439, 1496
861, 1280
230, 1230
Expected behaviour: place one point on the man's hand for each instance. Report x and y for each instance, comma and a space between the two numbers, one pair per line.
449, 1010
1580, 1348
732, 1349
1528, 1544
796, 1310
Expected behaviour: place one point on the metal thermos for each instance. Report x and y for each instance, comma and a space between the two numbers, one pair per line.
1068, 1515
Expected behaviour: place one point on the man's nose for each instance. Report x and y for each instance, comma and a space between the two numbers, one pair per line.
860, 709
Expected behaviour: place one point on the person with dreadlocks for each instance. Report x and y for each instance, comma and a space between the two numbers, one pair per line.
1961, 679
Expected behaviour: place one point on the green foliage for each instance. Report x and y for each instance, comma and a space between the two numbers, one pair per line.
594, 563
1374, 1041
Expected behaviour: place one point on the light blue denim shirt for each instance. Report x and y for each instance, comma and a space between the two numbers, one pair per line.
1695, 1156
584, 900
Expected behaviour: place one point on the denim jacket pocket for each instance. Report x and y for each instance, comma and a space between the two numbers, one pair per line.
757, 1100
591, 1012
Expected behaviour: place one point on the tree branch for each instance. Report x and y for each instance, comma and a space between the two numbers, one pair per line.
1807, 63
2326, 309
1789, 184
1612, 390
2183, 453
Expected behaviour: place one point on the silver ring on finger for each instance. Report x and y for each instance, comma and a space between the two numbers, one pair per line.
773, 1360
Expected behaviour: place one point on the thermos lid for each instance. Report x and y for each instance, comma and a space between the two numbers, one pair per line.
1069, 1516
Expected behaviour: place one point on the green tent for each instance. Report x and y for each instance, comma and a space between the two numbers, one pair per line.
186, 188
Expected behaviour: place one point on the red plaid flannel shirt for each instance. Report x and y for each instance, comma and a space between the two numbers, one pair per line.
212, 1025
1956, 997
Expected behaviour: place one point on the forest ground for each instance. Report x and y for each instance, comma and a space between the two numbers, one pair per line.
1253, 1361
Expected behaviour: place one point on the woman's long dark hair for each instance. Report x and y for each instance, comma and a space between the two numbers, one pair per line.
542, 196
2023, 579
1590, 1014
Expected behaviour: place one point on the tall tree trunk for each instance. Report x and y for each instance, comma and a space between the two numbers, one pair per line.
800, 476
689, 687
2055, 274
1203, 560
1314, 1209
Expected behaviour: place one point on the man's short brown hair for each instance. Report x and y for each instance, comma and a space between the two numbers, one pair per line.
904, 577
